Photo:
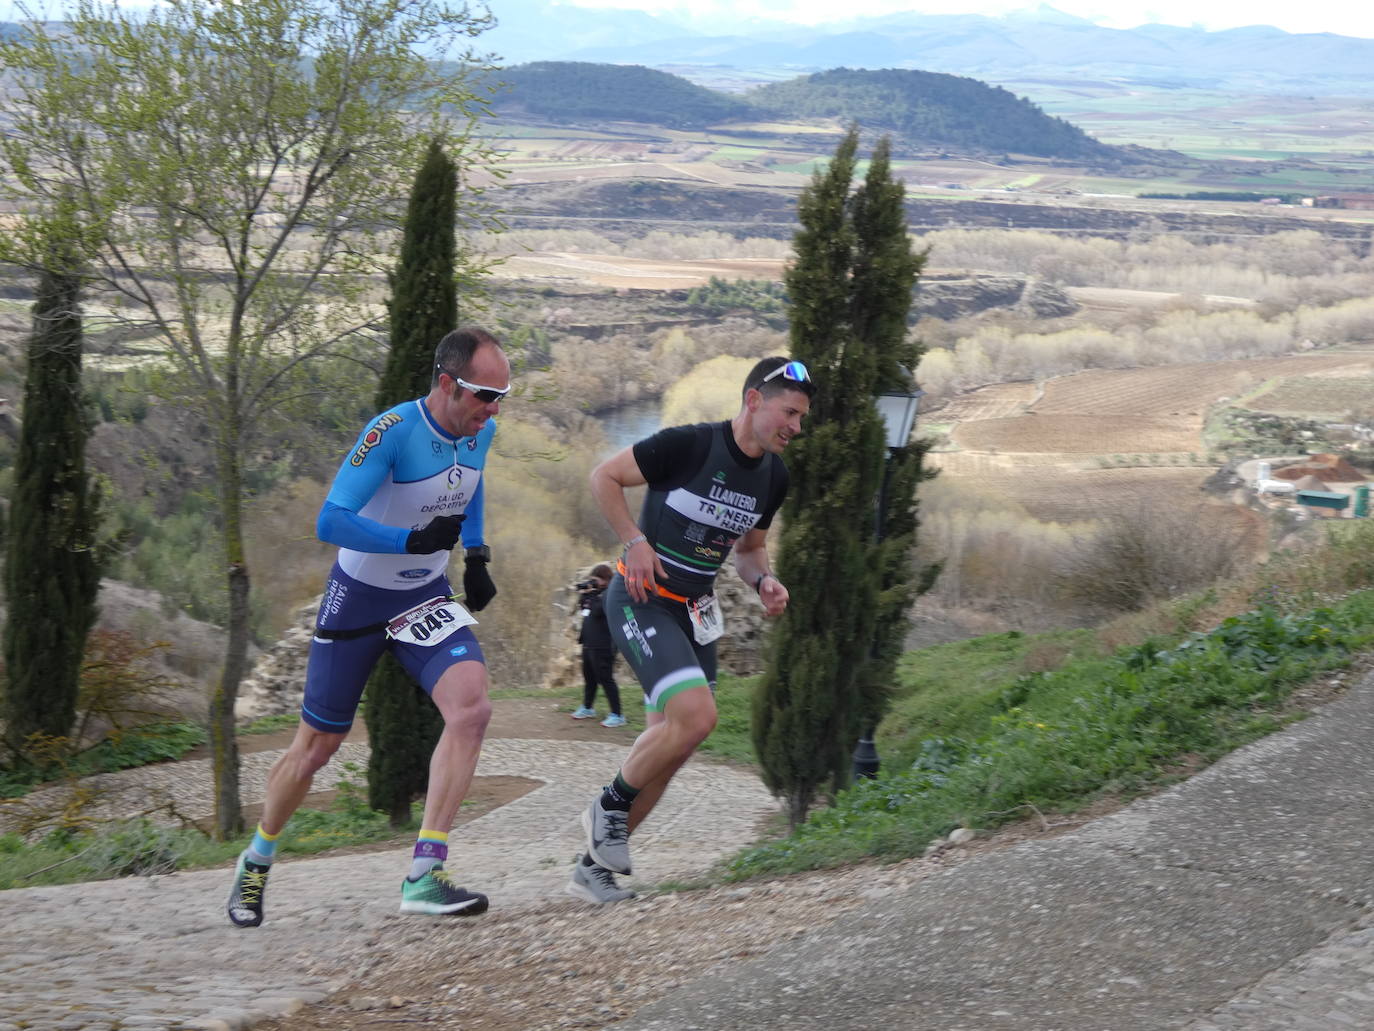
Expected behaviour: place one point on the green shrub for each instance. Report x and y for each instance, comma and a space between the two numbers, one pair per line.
135, 850
347, 821
140, 847
720, 296
126, 848
122, 750
140, 746
272, 724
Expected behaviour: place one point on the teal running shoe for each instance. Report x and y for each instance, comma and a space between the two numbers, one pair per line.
436, 894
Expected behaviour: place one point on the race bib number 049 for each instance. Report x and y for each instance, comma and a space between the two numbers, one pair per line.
429, 622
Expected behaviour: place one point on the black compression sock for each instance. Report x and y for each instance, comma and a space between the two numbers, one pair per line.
618, 795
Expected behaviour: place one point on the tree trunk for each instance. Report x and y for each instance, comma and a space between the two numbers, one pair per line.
223, 742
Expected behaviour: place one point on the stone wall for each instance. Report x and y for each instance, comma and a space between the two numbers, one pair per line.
739, 652
276, 683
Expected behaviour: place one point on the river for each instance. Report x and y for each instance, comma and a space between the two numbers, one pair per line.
629, 423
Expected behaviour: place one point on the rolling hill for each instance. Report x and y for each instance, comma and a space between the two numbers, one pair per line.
573, 91
920, 110
928, 108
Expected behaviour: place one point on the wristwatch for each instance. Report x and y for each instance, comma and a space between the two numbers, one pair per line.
481, 551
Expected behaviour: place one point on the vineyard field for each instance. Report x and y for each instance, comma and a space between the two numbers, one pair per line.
1081, 434
1333, 397
1184, 391
999, 401
1083, 446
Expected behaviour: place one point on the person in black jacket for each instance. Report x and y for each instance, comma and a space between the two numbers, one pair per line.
598, 653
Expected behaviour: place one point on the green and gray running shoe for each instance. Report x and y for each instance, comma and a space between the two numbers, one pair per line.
246, 896
436, 894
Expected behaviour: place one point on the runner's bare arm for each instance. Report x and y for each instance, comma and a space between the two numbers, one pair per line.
751, 562
609, 481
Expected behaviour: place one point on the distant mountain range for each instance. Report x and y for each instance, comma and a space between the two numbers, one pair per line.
1045, 44
1041, 45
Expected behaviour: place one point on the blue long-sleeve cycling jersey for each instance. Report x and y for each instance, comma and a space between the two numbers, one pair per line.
404, 470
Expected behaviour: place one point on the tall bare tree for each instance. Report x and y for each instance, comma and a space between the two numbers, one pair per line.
239, 167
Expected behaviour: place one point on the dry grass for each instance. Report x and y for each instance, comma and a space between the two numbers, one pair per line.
286, 561
637, 273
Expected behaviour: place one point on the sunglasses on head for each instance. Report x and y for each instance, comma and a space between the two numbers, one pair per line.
484, 394
795, 371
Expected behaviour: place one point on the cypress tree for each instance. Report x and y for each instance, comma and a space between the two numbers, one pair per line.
403, 725
885, 272
52, 574
804, 707
849, 289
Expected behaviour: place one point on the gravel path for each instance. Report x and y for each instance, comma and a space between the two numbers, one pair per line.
1238, 900
159, 953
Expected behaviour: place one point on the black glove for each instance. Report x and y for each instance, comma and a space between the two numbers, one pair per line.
478, 590
440, 534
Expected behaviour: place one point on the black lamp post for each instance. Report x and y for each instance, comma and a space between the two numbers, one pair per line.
897, 406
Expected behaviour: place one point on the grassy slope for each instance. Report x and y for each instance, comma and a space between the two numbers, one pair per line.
980, 731
986, 730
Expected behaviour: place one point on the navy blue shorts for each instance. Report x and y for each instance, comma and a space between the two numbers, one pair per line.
339, 667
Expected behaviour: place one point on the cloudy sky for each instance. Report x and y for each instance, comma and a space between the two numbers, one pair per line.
1343, 17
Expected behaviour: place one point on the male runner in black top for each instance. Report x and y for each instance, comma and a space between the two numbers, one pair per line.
713, 488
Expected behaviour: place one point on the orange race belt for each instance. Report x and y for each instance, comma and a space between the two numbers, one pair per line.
661, 591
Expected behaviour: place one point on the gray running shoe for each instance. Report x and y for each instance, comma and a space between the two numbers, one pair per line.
608, 837
596, 884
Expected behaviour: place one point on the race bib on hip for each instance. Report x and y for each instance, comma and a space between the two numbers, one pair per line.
429, 622
707, 621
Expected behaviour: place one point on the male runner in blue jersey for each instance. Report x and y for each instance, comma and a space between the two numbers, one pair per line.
406, 492
713, 488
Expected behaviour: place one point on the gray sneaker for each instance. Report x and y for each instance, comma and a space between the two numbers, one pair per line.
608, 837
596, 884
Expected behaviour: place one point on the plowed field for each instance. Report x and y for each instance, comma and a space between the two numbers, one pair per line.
1332, 394
1083, 446
1081, 434
641, 273
999, 401
1181, 391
